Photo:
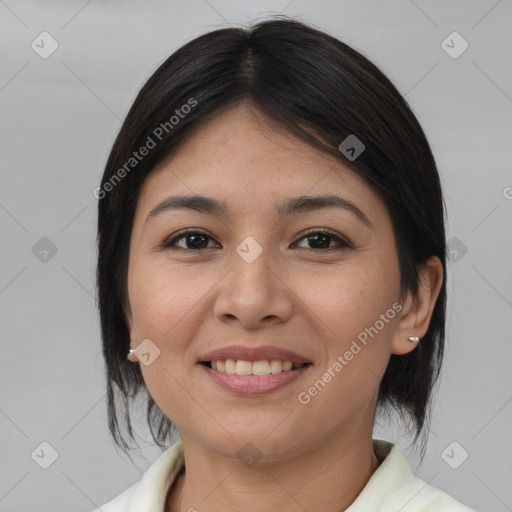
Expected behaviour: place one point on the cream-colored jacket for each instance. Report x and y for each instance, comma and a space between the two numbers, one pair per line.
392, 488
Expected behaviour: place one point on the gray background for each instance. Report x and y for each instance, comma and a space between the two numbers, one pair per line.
59, 117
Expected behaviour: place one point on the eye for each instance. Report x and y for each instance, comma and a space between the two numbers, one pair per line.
193, 240
321, 240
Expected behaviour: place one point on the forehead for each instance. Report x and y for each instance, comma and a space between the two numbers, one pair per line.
248, 160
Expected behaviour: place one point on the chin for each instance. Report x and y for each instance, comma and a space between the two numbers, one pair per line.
253, 439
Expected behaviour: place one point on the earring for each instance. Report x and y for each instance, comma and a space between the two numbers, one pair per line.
413, 339
131, 351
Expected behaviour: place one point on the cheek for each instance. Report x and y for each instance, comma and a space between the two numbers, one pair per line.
356, 345
165, 304
352, 309
347, 300
163, 296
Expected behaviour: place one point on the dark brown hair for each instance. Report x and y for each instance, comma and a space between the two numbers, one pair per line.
319, 89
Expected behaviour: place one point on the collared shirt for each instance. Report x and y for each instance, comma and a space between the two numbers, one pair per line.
392, 487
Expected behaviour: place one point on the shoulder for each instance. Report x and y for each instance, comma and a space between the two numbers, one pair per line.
431, 499
149, 493
416, 495
394, 487
121, 502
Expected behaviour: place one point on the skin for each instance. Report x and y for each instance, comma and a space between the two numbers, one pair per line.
315, 302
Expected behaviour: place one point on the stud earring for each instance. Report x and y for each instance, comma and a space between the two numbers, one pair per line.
131, 351
413, 339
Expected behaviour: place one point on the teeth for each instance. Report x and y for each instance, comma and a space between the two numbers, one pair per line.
276, 366
263, 367
230, 366
287, 366
243, 368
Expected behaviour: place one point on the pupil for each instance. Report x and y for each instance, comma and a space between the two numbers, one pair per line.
195, 239
321, 239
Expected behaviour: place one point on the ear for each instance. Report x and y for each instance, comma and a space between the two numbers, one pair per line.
418, 307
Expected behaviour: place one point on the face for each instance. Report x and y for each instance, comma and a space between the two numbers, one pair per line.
318, 280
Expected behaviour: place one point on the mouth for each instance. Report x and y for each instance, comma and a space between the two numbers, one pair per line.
259, 368
253, 370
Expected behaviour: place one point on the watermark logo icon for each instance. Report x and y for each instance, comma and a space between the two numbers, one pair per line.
147, 352
44, 455
249, 249
454, 45
351, 147
249, 455
454, 455
44, 45
457, 249
44, 250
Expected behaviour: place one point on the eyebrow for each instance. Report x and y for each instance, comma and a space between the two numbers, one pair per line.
290, 206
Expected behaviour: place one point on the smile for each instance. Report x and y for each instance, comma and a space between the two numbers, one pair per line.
263, 367
248, 383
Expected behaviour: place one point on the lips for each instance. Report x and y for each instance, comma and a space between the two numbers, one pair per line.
253, 370
240, 352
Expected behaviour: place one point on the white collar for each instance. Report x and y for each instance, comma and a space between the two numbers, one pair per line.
392, 486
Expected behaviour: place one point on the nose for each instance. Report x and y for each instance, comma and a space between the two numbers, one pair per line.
254, 294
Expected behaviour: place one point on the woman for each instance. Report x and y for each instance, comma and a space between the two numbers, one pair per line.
271, 274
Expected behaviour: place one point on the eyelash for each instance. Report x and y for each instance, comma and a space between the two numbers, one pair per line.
343, 244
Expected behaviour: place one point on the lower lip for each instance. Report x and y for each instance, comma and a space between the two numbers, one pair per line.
254, 384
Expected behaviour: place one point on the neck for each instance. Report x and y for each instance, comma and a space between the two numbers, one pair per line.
327, 477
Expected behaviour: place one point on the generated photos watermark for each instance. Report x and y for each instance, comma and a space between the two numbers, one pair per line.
304, 397
151, 142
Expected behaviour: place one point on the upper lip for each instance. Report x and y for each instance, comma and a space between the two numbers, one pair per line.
240, 352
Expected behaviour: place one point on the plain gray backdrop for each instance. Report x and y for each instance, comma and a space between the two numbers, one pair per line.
59, 115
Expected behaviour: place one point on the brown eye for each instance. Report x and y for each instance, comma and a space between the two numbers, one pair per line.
193, 240
321, 241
